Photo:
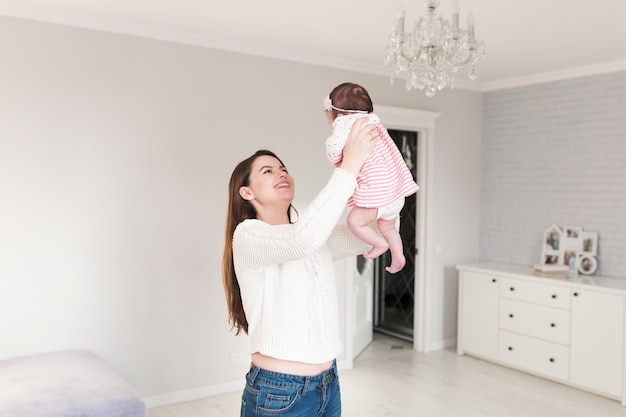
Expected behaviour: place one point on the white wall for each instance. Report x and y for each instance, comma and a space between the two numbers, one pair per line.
115, 153
554, 154
456, 207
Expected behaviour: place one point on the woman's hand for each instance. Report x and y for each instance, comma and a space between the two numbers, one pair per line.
362, 139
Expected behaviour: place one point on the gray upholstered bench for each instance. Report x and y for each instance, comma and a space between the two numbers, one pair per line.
65, 384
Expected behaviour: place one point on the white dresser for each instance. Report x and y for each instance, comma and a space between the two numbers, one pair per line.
568, 330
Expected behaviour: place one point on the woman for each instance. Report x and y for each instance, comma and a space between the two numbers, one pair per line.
279, 280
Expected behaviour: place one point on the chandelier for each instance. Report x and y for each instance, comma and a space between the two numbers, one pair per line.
436, 51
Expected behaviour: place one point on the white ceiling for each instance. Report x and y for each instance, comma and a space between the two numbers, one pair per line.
527, 41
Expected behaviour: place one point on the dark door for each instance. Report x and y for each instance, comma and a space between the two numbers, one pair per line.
394, 294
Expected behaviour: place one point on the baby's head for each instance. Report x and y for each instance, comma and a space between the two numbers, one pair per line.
347, 98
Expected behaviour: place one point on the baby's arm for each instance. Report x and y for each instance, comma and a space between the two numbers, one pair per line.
334, 149
337, 140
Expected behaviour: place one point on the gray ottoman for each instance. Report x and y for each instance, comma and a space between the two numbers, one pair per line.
73, 383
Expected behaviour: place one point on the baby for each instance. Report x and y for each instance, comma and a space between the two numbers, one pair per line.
384, 181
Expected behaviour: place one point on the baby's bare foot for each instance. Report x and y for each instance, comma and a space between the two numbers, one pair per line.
376, 251
397, 264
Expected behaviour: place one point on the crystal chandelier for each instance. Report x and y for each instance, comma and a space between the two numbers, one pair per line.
436, 51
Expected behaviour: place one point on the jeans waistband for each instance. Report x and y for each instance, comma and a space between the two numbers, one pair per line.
296, 381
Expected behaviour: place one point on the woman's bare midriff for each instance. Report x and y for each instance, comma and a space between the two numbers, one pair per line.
289, 367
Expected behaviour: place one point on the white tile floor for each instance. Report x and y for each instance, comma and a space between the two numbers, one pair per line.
390, 379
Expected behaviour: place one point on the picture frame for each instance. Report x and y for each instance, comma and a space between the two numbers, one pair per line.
569, 245
552, 237
551, 249
552, 259
587, 264
589, 243
572, 232
570, 258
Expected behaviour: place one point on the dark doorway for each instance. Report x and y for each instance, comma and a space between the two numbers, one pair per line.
394, 294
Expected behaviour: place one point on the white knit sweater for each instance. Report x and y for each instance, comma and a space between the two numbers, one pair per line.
286, 276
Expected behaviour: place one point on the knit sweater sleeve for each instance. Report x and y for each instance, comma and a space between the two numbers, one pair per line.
257, 244
343, 243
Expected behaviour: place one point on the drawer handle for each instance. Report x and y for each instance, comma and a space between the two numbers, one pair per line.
575, 294
552, 324
493, 280
512, 288
553, 295
511, 315
552, 360
511, 348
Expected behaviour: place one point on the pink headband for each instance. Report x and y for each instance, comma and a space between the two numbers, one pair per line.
328, 106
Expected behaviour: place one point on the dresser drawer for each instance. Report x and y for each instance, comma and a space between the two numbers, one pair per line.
542, 322
534, 355
532, 292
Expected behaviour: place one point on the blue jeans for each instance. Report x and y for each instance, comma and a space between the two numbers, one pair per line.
273, 394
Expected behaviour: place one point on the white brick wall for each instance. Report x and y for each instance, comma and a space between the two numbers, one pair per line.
555, 153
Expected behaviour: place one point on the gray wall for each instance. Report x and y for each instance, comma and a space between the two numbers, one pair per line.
115, 153
555, 153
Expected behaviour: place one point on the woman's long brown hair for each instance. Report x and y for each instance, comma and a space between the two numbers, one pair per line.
238, 211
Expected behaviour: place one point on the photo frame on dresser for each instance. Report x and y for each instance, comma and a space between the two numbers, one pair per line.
551, 249
572, 247
570, 256
589, 245
572, 232
587, 265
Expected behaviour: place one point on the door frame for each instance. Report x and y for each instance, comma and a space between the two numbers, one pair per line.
422, 122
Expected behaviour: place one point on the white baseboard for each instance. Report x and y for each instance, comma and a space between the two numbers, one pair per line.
442, 344
194, 393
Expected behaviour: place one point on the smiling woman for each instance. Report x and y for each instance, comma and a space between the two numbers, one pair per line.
269, 184
279, 280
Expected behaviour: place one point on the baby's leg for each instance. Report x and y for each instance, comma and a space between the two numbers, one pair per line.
388, 229
359, 220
